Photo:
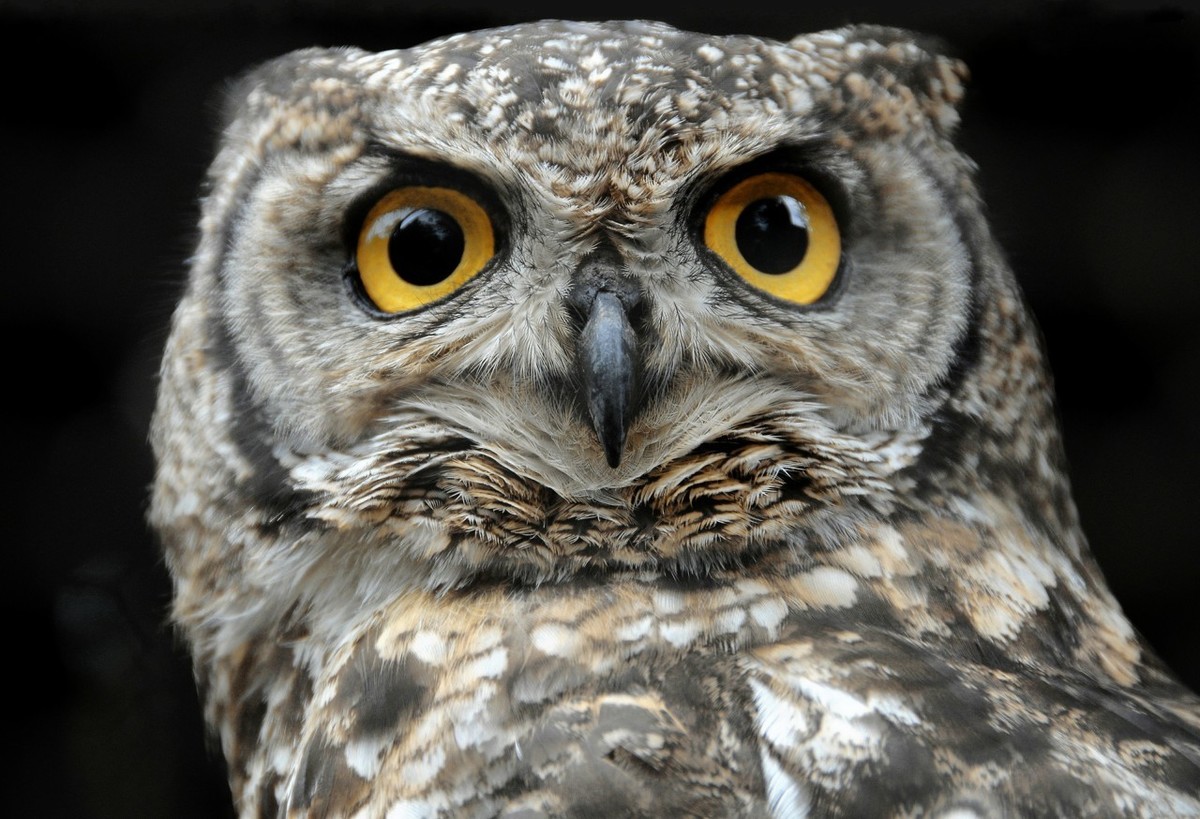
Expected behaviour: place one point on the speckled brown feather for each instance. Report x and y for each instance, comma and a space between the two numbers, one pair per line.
837, 572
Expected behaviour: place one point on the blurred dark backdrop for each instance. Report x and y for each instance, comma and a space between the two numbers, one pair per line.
1079, 117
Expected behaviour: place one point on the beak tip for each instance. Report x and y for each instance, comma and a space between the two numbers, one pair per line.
613, 455
610, 434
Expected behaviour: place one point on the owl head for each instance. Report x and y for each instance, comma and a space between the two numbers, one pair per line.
565, 296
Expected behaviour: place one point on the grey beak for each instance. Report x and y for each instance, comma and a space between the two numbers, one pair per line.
608, 364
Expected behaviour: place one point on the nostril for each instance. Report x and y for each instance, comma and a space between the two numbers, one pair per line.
635, 308
583, 296
602, 271
579, 302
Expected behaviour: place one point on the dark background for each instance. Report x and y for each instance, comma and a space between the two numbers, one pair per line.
1078, 115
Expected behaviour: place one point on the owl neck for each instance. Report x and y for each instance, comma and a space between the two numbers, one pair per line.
996, 429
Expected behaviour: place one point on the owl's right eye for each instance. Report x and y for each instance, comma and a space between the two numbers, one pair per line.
419, 244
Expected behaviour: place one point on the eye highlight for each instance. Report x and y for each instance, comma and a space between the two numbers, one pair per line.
779, 234
419, 244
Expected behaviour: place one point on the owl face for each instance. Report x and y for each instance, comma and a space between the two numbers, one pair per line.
602, 188
472, 293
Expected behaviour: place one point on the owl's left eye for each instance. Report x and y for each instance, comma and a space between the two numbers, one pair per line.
778, 233
419, 244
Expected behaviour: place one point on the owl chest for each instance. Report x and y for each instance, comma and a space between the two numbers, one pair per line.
633, 699
751, 697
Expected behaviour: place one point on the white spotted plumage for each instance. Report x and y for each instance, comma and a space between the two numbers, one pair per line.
830, 566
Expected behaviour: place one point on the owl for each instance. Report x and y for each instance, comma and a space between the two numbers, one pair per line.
602, 419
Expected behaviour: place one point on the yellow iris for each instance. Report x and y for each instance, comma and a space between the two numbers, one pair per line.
420, 244
777, 232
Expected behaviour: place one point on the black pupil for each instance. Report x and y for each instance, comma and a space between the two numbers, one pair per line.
426, 246
772, 234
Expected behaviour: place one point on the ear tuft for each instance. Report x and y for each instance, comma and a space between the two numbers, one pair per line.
892, 80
